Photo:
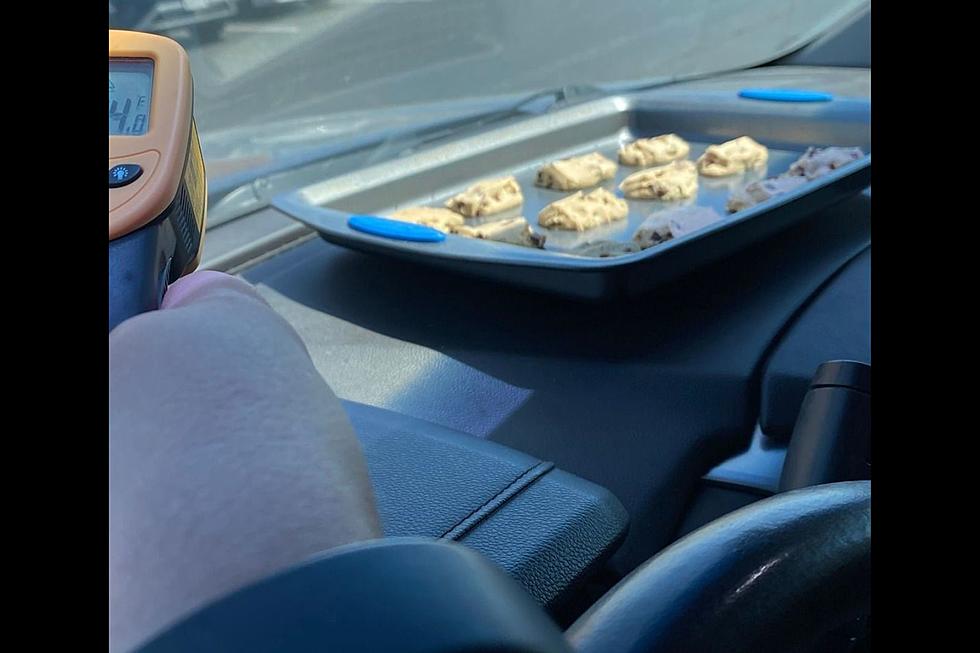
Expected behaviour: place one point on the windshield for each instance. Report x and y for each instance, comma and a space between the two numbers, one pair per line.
276, 77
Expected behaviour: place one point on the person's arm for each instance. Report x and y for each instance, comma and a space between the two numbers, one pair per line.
229, 456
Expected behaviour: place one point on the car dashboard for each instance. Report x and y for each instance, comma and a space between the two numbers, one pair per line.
677, 402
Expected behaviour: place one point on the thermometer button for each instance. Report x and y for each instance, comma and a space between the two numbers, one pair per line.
124, 173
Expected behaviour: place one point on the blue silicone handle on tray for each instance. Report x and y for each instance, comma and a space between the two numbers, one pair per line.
395, 229
785, 95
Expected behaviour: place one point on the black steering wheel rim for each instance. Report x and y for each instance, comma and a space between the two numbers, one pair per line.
777, 576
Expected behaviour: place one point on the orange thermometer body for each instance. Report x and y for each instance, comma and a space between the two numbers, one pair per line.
157, 188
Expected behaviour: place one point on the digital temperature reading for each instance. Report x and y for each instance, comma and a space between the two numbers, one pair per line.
130, 84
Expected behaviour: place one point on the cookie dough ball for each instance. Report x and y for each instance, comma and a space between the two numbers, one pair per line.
655, 151
576, 173
580, 212
487, 197
732, 157
674, 181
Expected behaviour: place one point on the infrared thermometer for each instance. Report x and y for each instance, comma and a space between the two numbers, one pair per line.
157, 188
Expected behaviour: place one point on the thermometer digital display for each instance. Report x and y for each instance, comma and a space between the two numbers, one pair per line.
130, 90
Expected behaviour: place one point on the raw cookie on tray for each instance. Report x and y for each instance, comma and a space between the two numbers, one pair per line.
672, 223
580, 212
576, 173
732, 157
646, 152
674, 181
815, 163
487, 197
515, 231
760, 191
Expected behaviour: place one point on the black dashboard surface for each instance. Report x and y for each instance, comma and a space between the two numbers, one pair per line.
836, 325
642, 397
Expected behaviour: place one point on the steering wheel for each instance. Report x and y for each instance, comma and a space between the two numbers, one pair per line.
779, 575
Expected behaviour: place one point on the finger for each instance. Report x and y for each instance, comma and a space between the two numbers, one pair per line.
204, 284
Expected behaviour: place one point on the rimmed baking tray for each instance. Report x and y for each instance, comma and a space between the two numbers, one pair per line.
702, 118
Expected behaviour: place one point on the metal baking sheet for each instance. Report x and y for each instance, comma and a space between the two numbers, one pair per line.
430, 177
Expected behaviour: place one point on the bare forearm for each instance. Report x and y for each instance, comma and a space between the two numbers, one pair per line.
230, 459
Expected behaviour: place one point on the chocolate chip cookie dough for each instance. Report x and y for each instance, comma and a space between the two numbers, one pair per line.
580, 212
576, 173
673, 223
817, 162
732, 157
760, 191
655, 151
674, 181
487, 197
515, 231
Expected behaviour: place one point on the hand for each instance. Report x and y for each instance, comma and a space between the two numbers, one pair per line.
229, 456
